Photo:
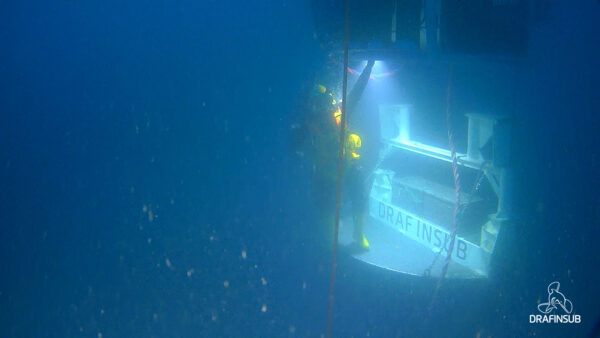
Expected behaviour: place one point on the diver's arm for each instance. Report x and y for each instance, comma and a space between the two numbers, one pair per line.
359, 86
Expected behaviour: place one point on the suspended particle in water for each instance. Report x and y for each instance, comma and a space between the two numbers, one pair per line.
243, 254
264, 308
144, 208
190, 272
263, 280
168, 263
226, 283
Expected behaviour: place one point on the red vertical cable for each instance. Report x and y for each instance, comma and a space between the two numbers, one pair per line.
456, 178
338, 194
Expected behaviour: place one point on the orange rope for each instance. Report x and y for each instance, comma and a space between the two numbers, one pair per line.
338, 197
456, 178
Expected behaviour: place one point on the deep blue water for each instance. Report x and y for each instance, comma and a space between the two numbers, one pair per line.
149, 189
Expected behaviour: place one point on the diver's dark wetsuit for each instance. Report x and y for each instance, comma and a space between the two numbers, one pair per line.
321, 135
355, 186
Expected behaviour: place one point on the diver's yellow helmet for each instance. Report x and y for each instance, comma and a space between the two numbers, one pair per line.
354, 143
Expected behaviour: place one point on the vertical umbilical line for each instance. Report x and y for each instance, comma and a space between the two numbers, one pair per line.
455, 176
456, 179
338, 193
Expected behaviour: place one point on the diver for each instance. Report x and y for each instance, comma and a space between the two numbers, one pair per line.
320, 134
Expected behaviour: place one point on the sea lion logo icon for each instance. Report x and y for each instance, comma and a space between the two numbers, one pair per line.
555, 299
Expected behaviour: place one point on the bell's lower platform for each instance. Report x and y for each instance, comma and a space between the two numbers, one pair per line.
393, 250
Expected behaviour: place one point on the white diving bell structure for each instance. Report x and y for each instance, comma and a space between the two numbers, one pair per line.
411, 211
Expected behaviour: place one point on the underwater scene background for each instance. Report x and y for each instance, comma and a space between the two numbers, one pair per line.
150, 188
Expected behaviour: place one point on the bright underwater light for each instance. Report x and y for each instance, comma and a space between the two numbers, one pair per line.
380, 69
